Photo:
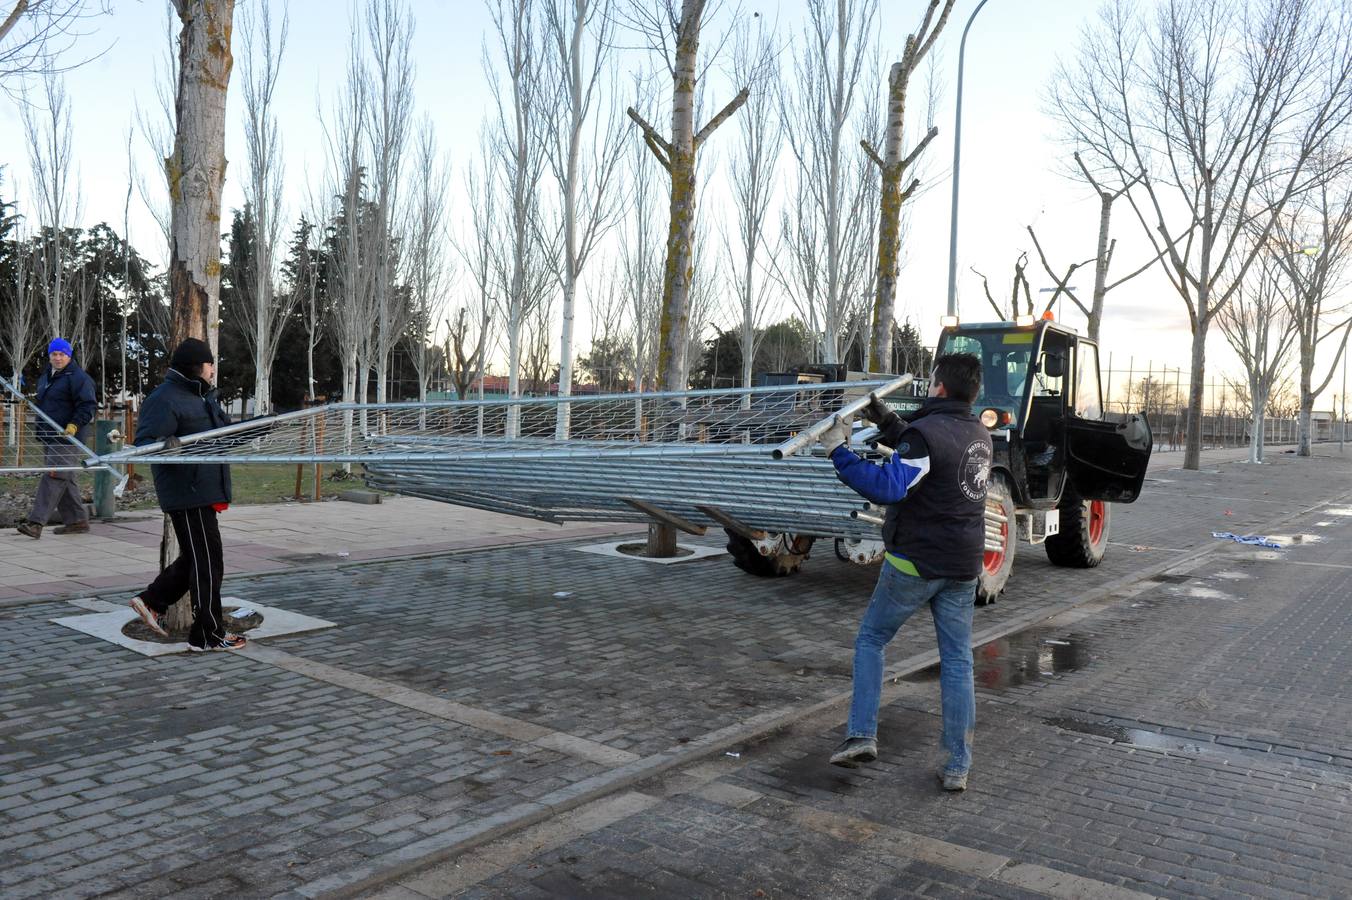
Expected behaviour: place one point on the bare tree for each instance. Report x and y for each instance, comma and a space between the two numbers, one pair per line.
1259, 327
1102, 259
265, 317
389, 35
195, 172
828, 250
352, 247
611, 356
752, 172
427, 250
469, 329
673, 29
584, 154
894, 165
36, 36
157, 128
519, 157
196, 169
703, 296
1219, 108
1017, 283
20, 325
536, 355
50, 141
640, 264
1312, 245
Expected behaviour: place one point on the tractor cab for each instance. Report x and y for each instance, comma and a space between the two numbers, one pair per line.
1042, 399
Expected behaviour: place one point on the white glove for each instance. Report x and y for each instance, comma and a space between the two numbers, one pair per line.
837, 434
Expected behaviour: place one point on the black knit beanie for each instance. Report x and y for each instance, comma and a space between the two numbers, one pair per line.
191, 352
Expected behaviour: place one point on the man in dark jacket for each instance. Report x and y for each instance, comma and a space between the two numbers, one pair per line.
191, 495
66, 395
934, 486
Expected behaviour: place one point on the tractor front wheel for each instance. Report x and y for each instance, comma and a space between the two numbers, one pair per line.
1083, 538
998, 560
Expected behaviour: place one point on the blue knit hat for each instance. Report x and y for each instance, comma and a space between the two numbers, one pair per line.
60, 344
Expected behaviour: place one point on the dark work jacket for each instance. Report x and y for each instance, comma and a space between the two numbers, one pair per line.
68, 397
181, 406
935, 490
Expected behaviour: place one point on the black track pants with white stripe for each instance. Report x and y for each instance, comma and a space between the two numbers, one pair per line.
197, 571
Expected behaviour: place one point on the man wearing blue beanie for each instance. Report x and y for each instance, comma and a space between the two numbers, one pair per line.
66, 394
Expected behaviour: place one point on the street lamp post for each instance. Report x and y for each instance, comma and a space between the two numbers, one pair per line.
957, 152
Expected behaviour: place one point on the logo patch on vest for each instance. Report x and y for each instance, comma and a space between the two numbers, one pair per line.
975, 470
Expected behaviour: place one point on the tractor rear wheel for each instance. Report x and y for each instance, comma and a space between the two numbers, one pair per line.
1083, 538
998, 560
746, 555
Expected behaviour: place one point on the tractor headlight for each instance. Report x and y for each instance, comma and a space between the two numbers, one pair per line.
990, 417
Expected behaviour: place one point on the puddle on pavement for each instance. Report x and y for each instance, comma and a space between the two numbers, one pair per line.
1019, 659
1232, 576
1340, 511
1206, 593
1118, 734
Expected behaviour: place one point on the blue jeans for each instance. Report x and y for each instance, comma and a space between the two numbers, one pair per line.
896, 596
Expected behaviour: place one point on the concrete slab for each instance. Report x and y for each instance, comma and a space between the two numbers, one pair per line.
107, 626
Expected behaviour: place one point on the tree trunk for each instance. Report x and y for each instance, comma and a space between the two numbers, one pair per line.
1306, 406
195, 173
889, 224
1192, 440
1100, 266
675, 323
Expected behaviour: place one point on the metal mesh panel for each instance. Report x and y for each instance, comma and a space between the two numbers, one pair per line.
31, 443
644, 425
702, 458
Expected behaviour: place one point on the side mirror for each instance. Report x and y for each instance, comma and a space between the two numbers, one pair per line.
1054, 365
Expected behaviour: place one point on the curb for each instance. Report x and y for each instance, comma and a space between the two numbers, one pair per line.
469, 836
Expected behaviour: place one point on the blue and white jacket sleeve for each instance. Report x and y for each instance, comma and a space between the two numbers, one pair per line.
889, 482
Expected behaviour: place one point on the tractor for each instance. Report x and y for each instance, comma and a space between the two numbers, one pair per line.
1058, 465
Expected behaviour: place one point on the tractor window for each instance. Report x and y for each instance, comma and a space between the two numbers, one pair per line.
1088, 397
1004, 359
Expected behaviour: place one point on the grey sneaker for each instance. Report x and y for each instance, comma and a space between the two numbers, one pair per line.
855, 750
148, 615
952, 781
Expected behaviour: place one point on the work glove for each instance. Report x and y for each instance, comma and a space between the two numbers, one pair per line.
836, 435
879, 413
172, 442
71, 429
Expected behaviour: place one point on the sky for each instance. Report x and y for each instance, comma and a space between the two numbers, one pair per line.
1011, 161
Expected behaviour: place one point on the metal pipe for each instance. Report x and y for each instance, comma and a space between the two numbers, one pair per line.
810, 435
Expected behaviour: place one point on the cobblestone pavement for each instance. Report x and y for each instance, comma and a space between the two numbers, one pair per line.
459, 699
269, 537
1187, 737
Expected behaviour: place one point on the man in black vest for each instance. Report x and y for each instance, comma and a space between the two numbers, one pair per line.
934, 486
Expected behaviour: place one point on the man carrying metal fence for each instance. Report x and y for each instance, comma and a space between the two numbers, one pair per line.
191, 495
66, 395
934, 486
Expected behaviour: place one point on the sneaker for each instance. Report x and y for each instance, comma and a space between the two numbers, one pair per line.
855, 750
77, 528
229, 642
148, 615
952, 781
32, 529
